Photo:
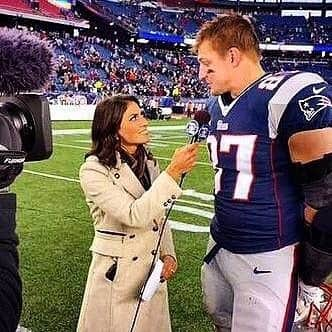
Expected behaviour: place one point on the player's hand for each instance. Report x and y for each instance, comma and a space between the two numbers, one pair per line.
169, 268
183, 160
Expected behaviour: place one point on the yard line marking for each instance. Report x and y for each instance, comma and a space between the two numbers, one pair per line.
194, 193
174, 224
51, 176
70, 131
197, 163
168, 142
88, 131
157, 142
181, 226
87, 148
191, 210
156, 136
167, 128
72, 146
187, 192
83, 141
195, 203
163, 145
167, 137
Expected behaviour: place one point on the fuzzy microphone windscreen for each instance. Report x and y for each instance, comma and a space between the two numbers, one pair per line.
26, 62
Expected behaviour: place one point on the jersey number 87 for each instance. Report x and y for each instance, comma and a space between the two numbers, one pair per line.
245, 145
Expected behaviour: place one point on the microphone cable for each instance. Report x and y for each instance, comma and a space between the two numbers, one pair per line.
198, 132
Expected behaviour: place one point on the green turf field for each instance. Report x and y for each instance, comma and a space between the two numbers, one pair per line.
56, 231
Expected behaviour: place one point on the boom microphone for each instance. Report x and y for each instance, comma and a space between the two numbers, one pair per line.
26, 64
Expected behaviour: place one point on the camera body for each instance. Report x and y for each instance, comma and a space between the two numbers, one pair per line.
30, 115
25, 133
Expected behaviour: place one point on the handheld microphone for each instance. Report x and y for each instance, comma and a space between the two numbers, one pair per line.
198, 128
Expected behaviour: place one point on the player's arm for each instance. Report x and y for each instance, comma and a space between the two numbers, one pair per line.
311, 153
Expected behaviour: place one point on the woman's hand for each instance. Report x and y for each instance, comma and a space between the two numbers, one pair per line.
183, 160
169, 268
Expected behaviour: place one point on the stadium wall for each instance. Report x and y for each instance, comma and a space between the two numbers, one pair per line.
72, 112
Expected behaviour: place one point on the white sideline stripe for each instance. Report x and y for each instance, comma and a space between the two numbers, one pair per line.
51, 176
195, 203
72, 146
156, 136
198, 163
168, 142
191, 210
167, 137
194, 193
167, 128
70, 131
181, 226
174, 224
86, 148
158, 144
88, 131
155, 141
187, 192
88, 141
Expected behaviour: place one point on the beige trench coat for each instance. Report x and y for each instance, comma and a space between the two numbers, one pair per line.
127, 222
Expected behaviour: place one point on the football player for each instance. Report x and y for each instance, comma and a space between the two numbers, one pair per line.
270, 143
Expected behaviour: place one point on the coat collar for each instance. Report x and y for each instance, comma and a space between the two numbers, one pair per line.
128, 180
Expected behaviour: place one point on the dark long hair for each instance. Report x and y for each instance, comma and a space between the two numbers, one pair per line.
105, 126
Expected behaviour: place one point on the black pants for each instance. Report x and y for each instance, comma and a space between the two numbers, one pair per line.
10, 282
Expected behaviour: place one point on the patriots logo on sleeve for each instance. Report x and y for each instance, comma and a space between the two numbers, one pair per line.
312, 105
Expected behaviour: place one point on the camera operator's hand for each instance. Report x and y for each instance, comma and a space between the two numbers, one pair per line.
183, 160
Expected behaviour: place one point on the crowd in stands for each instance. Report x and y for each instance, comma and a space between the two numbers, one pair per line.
146, 18
92, 64
96, 66
321, 30
295, 29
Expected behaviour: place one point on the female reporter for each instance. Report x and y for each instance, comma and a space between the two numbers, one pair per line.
127, 197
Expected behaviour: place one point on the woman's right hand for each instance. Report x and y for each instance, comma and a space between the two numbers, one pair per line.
183, 160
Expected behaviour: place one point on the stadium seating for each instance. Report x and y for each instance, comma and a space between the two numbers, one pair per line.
19, 5
294, 29
84, 61
91, 65
49, 9
321, 29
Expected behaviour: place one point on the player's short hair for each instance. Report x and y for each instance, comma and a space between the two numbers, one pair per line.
228, 31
